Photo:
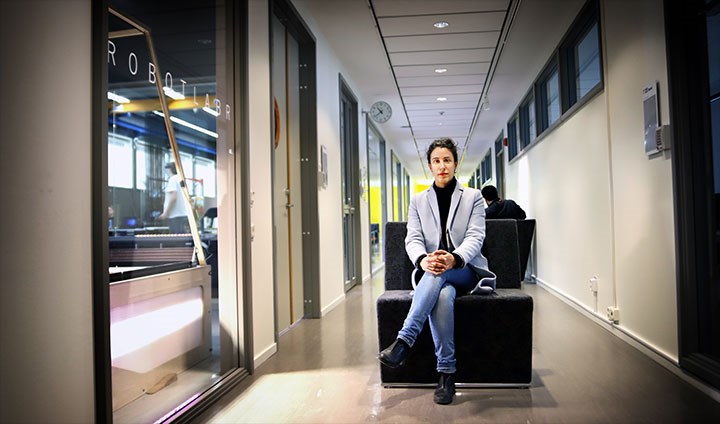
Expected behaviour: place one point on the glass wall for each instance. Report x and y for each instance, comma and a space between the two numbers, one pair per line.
397, 188
377, 193
171, 228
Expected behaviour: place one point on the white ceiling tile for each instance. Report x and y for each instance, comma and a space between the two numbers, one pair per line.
415, 7
460, 113
423, 25
415, 43
443, 56
429, 70
424, 120
441, 80
432, 106
441, 90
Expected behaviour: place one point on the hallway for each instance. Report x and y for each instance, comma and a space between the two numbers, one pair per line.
325, 371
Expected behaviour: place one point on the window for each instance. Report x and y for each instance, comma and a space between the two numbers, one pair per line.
581, 55
120, 167
527, 121
587, 63
552, 100
499, 165
512, 137
486, 168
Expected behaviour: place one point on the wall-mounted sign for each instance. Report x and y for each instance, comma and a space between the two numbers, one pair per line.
651, 118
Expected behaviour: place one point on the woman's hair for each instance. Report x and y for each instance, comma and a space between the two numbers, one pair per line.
443, 142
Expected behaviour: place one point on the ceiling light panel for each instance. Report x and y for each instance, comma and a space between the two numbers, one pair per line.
414, 43
450, 98
443, 57
385, 8
421, 25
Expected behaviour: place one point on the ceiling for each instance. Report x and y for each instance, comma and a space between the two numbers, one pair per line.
490, 51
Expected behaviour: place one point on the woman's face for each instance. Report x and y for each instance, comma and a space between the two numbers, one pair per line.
442, 166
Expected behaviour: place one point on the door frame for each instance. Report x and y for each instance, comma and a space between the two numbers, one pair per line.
289, 16
686, 44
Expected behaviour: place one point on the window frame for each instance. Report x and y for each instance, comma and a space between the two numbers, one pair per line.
562, 63
588, 16
512, 135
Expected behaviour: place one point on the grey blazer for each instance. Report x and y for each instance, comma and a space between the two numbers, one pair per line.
465, 228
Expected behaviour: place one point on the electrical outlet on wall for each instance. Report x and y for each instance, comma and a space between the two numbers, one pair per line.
613, 314
593, 285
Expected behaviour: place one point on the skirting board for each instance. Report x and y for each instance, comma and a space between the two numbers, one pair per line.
664, 360
332, 305
265, 355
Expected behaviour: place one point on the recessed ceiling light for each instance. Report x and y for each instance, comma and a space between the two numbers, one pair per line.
440, 70
441, 99
441, 24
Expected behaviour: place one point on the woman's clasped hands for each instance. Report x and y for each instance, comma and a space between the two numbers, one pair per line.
438, 262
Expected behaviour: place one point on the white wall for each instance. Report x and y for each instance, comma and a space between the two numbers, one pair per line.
642, 187
46, 340
603, 207
263, 297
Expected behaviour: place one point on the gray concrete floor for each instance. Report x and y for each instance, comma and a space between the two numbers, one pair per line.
325, 372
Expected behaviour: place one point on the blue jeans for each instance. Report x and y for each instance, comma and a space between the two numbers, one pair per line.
435, 298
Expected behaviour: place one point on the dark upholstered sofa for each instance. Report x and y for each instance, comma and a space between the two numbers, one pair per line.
526, 231
493, 333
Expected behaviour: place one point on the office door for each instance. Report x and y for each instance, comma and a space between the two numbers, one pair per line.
350, 186
287, 201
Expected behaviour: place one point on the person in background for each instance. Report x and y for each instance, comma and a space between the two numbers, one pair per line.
174, 206
445, 232
499, 208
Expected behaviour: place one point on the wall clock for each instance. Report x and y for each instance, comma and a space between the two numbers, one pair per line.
380, 111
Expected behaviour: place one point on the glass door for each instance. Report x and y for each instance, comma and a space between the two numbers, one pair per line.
172, 233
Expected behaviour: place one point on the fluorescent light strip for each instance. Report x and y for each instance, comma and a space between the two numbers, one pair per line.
117, 98
189, 125
212, 112
173, 94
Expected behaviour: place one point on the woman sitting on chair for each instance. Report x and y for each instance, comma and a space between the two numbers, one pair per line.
445, 232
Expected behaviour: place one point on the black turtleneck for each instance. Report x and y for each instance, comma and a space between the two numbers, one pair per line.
444, 197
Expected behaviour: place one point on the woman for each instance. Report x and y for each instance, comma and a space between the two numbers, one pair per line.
445, 232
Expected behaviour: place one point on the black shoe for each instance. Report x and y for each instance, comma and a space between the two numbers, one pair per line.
445, 391
395, 355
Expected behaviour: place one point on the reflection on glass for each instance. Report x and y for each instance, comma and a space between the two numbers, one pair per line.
165, 320
587, 63
553, 98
